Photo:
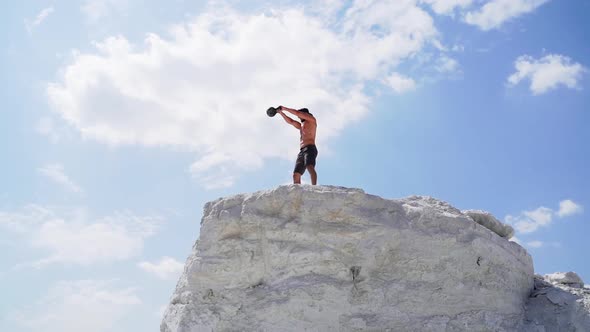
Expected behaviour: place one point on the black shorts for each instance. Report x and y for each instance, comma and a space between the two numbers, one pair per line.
306, 157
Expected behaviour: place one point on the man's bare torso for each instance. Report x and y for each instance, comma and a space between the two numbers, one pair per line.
307, 131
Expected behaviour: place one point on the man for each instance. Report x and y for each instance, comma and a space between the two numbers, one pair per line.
308, 152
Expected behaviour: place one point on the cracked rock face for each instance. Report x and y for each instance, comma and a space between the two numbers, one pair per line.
559, 302
322, 258
570, 279
487, 220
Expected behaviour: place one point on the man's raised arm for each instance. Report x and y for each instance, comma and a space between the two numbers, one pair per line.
289, 120
301, 115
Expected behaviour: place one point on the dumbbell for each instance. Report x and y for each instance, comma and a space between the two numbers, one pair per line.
272, 111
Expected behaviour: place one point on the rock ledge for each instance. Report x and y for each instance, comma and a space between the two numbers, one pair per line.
322, 258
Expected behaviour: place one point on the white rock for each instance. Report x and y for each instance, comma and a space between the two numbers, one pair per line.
490, 222
571, 279
555, 306
322, 258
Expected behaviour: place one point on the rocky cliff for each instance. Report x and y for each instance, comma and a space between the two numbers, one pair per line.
322, 258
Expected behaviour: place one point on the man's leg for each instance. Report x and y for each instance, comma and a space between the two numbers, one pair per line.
309, 162
313, 174
296, 178
299, 168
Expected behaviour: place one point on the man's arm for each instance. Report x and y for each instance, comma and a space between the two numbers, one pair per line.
289, 120
301, 115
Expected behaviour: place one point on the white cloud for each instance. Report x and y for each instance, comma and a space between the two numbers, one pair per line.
82, 305
547, 73
68, 237
327, 9
167, 268
530, 221
212, 171
446, 64
400, 83
104, 241
535, 244
55, 172
39, 19
495, 12
206, 87
568, 207
542, 244
24, 221
446, 7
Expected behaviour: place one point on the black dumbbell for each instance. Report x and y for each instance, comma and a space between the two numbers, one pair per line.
272, 111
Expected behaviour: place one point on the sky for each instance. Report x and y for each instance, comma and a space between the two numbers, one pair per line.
120, 119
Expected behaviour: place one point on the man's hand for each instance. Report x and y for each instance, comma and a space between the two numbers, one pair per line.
301, 115
288, 119
287, 109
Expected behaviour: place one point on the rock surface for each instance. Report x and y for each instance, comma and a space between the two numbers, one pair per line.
570, 279
322, 258
558, 303
490, 222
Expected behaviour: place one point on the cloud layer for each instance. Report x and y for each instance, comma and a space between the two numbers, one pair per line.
71, 237
568, 208
39, 19
167, 268
56, 173
205, 86
530, 221
494, 13
400, 83
446, 7
82, 305
547, 73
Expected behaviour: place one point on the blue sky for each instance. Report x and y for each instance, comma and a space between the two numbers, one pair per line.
120, 119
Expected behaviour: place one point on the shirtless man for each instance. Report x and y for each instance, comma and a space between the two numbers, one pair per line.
308, 152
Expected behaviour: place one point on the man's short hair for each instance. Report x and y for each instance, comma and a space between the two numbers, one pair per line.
304, 110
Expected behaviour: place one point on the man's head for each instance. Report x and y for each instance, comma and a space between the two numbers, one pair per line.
304, 110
